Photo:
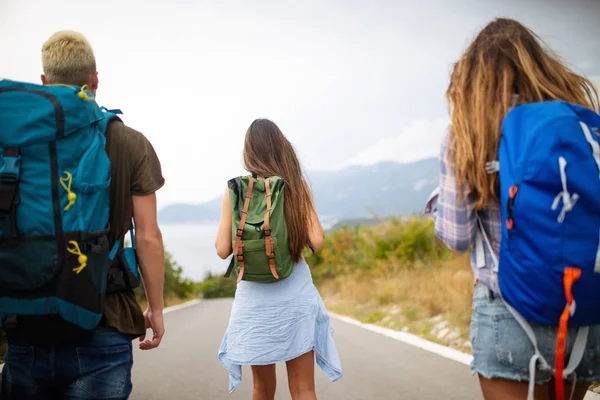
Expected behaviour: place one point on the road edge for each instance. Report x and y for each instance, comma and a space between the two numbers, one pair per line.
409, 338
424, 344
181, 306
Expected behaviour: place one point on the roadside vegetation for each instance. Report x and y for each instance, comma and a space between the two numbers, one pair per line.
215, 286
397, 274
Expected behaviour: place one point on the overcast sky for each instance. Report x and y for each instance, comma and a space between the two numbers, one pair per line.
349, 82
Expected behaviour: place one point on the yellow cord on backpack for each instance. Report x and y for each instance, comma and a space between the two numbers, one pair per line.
82, 259
83, 95
71, 196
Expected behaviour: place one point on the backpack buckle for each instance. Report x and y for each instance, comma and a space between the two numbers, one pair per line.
9, 172
240, 257
239, 232
11, 165
267, 232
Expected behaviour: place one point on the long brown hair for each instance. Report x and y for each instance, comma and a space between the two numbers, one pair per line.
267, 152
504, 60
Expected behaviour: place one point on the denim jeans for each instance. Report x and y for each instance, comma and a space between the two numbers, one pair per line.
98, 367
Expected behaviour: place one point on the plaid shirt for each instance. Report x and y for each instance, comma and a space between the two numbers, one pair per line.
456, 223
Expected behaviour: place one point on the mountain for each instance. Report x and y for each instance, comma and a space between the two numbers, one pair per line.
380, 190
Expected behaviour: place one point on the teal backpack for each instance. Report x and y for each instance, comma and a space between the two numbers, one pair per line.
54, 204
259, 230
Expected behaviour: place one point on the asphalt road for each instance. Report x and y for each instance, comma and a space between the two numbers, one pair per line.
185, 366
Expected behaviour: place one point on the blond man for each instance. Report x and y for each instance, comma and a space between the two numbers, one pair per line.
49, 358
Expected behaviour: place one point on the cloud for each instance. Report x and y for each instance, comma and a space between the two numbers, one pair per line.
340, 78
418, 140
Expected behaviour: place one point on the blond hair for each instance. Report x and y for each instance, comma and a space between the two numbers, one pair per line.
68, 58
504, 60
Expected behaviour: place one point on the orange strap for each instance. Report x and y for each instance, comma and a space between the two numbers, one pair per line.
571, 275
238, 245
270, 248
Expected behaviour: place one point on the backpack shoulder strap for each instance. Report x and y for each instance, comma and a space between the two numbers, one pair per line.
117, 245
481, 238
269, 247
238, 245
108, 117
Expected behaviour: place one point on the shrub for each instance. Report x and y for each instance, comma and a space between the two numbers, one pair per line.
217, 286
408, 243
176, 286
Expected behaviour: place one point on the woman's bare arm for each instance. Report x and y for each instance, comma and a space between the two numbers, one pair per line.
316, 234
223, 241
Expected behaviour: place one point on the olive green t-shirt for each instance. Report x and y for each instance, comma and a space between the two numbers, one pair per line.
135, 171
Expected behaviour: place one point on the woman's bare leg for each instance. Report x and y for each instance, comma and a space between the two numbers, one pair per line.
301, 377
502, 389
265, 382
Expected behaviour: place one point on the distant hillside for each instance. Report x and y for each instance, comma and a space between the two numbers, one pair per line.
383, 190
352, 223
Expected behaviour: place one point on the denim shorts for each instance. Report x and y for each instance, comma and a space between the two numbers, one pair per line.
501, 349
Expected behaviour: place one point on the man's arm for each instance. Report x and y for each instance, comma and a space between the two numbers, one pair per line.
150, 250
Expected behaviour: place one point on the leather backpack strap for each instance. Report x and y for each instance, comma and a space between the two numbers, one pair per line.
238, 244
269, 247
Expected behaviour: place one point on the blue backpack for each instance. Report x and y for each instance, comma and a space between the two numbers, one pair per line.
54, 203
549, 267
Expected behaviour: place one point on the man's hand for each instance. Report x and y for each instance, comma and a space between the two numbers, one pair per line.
155, 322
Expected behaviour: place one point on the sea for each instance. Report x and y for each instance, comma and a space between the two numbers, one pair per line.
193, 248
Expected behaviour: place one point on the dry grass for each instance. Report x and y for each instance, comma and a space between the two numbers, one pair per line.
414, 300
446, 289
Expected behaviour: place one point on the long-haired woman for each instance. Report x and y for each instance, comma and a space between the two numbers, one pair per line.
506, 65
285, 320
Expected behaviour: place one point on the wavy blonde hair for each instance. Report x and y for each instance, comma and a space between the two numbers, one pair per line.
504, 60
68, 58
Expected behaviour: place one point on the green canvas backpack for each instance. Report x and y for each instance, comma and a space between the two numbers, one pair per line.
259, 230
